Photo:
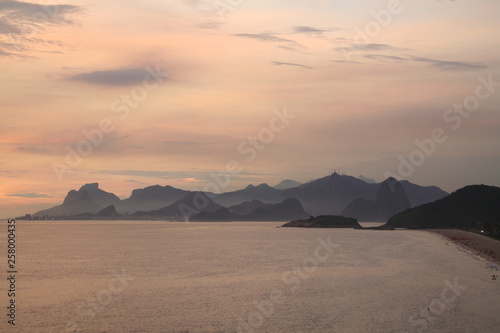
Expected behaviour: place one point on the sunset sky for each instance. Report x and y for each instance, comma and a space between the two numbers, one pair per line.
137, 93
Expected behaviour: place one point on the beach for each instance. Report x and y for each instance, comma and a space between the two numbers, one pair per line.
152, 276
483, 246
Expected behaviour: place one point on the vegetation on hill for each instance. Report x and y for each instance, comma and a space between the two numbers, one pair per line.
325, 221
474, 208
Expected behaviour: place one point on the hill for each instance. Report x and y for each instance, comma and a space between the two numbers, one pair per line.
473, 208
325, 221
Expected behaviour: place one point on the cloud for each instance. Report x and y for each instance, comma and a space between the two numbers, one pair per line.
292, 49
440, 64
450, 65
147, 173
205, 7
209, 25
355, 47
20, 21
384, 57
114, 77
212, 13
283, 43
279, 63
174, 175
33, 150
447, 65
311, 31
29, 195
34, 13
7, 28
266, 37
308, 30
348, 62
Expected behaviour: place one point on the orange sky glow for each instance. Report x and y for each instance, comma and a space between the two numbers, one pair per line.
131, 94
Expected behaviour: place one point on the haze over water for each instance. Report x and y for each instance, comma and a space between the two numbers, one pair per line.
148, 276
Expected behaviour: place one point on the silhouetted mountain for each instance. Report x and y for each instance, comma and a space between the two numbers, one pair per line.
109, 211
286, 184
248, 206
419, 195
262, 192
474, 207
362, 209
367, 180
391, 199
88, 199
325, 196
283, 211
330, 195
150, 198
99, 196
220, 215
190, 205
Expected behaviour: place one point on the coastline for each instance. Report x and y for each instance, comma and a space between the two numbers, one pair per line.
485, 247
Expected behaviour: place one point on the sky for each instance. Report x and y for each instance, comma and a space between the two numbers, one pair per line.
219, 94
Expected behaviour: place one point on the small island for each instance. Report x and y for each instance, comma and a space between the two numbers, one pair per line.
325, 221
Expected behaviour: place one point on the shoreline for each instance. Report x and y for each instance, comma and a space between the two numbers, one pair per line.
483, 246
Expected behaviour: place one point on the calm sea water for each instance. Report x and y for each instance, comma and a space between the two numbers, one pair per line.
151, 276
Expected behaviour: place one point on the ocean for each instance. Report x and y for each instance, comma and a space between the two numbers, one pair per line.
156, 276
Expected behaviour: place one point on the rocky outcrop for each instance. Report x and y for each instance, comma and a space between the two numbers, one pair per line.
391, 199
325, 221
88, 199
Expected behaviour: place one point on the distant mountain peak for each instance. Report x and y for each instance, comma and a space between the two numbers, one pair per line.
391, 199
287, 184
90, 186
367, 180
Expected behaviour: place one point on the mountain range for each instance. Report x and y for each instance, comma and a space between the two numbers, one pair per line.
330, 195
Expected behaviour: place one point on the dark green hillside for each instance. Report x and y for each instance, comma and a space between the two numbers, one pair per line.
474, 208
325, 221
